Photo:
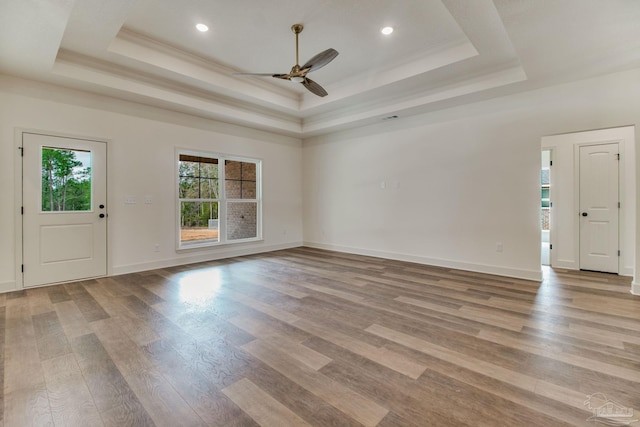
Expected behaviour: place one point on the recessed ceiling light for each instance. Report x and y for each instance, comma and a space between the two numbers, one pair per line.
387, 30
202, 27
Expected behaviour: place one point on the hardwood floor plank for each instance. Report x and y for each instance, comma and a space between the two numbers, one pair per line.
28, 407
294, 349
117, 403
571, 397
50, 337
87, 305
58, 294
491, 386
199, 392
164, 404
26, 401
39, 301
306, 336
135, 329
493, 320
267, 309
263, 408
70, 399
261, 327
329, 291
361, 409
264, 278
436, 397
381, 356
570, 359
71, 319
23, 369
134, 284
313, 409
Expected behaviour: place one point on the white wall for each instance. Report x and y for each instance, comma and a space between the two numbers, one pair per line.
457, 181
565, 227
141, 159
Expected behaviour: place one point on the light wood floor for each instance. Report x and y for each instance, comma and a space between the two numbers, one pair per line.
309, 337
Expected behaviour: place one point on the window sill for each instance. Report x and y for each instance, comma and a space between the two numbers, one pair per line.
201, 246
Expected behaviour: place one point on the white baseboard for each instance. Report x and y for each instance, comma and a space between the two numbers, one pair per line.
626, 271
635, 289
211, 255
8, 287
535, 275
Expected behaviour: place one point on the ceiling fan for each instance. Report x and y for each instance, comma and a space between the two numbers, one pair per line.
298, 74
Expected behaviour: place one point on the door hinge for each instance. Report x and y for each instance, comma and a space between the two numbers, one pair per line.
618, 252
21, 210
550, 247
21, 151
618, 205
22, 268
550, 204
618, 156
550, 162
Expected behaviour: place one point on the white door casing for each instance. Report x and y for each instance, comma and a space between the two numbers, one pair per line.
61, 246
599, 197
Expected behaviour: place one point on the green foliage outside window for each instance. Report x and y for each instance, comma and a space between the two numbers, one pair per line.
66, 181
198, 180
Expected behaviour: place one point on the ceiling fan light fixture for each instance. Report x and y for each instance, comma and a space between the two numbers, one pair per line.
297, 79
387, 30
202, 28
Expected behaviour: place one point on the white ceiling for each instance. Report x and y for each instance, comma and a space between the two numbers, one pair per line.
442, 53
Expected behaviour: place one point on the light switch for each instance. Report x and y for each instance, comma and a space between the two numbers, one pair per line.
148, 199
130, 200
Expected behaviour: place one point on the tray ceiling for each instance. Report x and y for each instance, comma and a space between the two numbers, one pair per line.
442, 53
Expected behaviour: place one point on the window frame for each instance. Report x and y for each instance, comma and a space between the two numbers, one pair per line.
222, 199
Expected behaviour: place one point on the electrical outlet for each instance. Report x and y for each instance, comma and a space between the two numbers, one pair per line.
148, 200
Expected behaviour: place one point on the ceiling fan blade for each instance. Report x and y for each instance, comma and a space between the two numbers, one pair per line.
320, 60
277, 76
314, 87
282, 76
256, 74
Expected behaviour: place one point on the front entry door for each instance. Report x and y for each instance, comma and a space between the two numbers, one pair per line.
599, 208
64, 224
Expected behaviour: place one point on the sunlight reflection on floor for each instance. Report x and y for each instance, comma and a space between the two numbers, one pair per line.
200, 287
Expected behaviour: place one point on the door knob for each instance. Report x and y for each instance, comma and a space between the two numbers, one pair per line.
584, 214
101, 215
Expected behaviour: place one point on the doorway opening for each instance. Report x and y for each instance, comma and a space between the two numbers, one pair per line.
545, 208
592, 200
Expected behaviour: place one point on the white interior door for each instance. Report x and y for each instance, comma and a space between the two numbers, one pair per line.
64, 224
599, 208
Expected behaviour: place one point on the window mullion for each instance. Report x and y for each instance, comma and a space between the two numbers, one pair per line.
222, 206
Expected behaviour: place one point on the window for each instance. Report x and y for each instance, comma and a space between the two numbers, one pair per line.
218, 198
544, 198
66, 180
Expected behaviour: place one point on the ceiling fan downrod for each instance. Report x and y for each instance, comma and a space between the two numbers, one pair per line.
297, 29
